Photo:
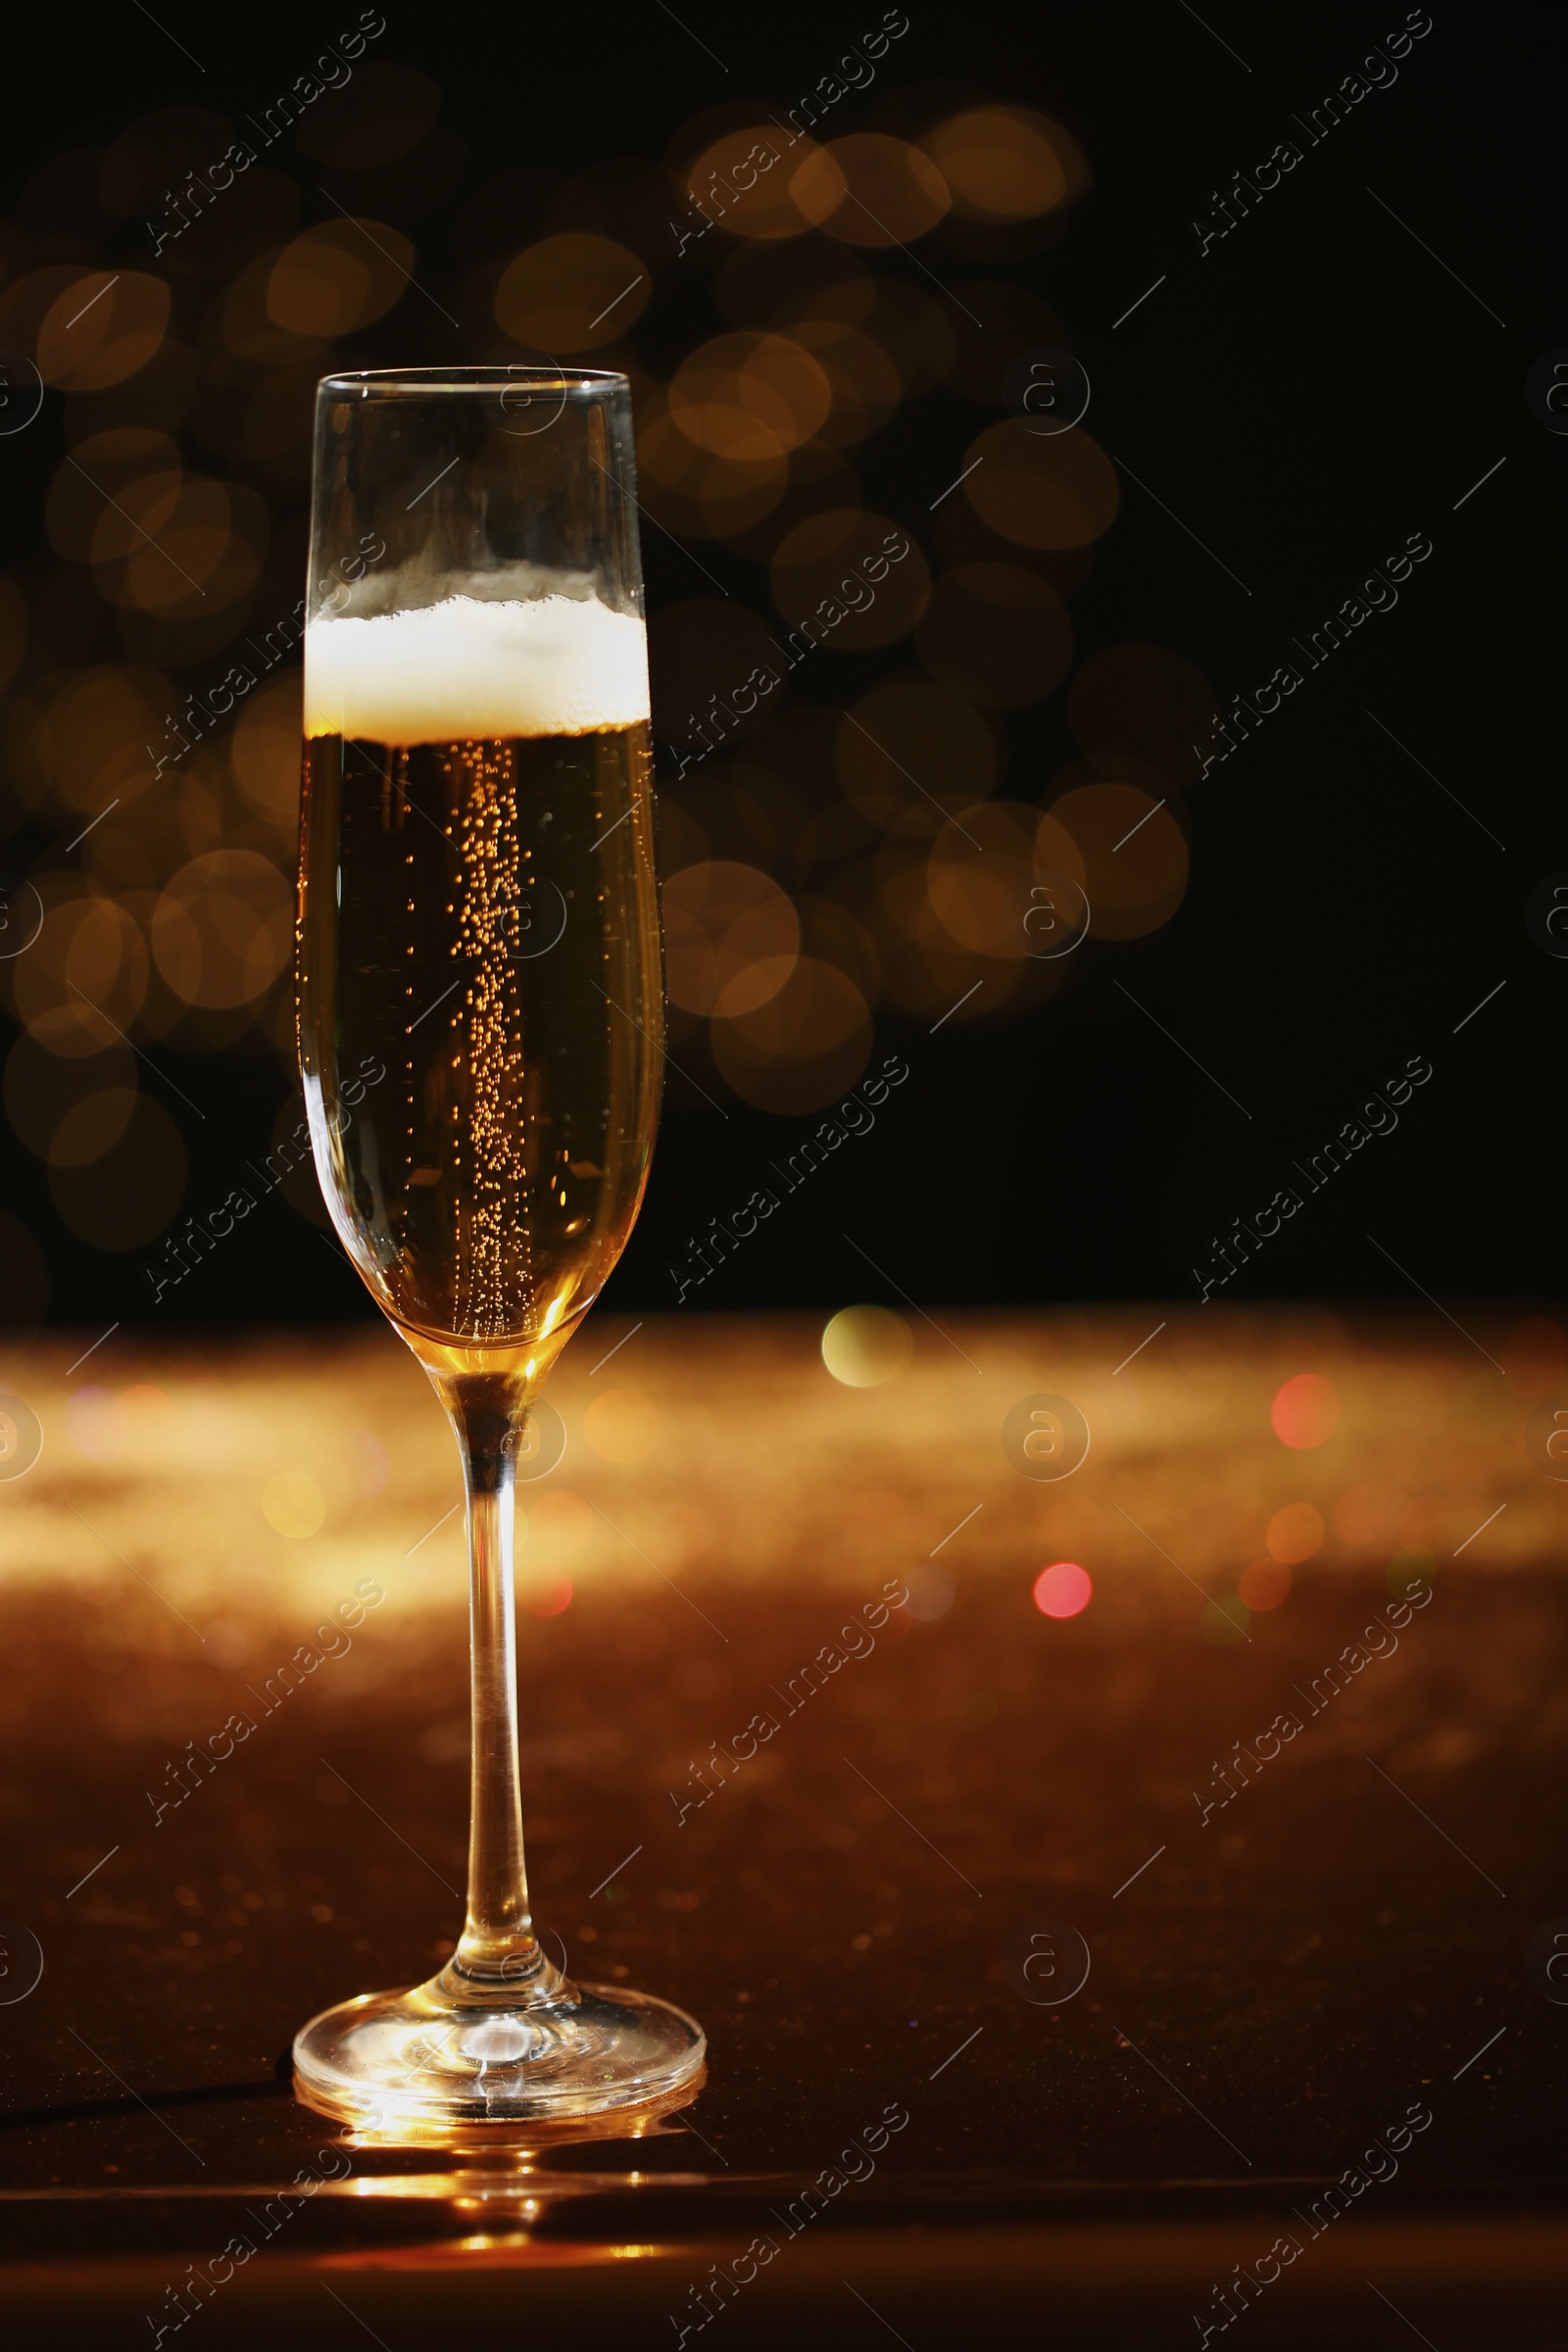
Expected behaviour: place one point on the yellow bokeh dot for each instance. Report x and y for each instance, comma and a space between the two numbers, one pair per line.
864, 1345
293, 1504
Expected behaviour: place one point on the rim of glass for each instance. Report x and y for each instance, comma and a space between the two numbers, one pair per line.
491, 379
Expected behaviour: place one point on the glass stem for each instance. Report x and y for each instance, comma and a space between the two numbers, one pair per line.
498, 1946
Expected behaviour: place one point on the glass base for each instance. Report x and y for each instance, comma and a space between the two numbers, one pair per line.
426, 2059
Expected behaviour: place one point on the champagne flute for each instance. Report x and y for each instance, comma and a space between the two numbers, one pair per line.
481, 1020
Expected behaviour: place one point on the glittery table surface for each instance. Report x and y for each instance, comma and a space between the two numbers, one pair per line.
1298, 1942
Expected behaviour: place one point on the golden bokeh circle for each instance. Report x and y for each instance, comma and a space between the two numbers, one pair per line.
871, 189
180, 546
264, 752
96, 729
979, 875
339, 276
753, 397
744, 182
85, 979
699, 493
1042, 490
731, 938
832, 933
840, 583
863, 384
102, 328
1133, 853
92, 1126
802, 1049
224, 928
571, 292
1005, 164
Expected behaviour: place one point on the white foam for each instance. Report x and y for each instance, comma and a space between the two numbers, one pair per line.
464, 667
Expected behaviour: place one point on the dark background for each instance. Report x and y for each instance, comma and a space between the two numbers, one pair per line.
1315, 389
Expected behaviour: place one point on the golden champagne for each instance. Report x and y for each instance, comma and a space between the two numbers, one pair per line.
481, 1030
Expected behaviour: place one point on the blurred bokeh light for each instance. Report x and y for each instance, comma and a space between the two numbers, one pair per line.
1305, 1411
863, 1346
855, 660
1064, 1589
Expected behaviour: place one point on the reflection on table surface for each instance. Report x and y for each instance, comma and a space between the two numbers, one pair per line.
807, 1752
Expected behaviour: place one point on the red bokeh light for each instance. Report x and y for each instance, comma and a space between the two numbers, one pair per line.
1264, 1584
1064, 1589
1305, 1411
548, 1600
